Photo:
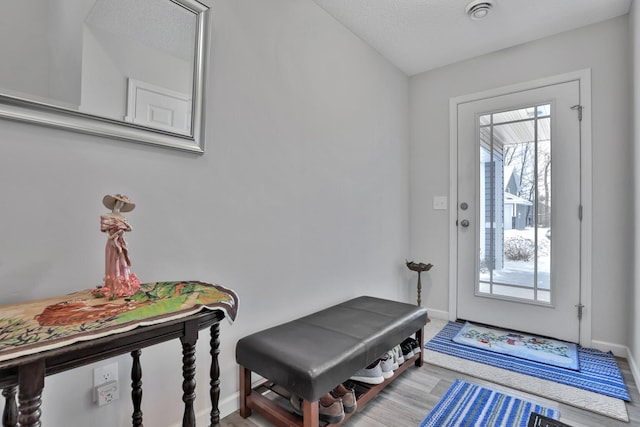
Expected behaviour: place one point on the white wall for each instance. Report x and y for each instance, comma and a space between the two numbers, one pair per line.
300, 201
602, 47
50, 32
19, 72
634, 295
104, 84
65, 44
109, 60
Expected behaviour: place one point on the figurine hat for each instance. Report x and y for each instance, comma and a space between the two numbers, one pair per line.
109, 201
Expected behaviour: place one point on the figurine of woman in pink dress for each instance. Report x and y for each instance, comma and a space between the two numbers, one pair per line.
119, 281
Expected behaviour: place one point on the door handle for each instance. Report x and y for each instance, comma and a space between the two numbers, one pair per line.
464, 223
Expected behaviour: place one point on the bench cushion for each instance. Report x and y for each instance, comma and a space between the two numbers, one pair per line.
311, 355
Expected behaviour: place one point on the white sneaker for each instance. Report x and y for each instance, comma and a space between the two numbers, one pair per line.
394, 362
386, 363
372, 374
397, 352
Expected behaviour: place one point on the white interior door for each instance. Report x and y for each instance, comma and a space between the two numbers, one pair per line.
158, 107
518, 179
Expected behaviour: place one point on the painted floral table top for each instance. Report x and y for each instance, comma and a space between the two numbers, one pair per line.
35, 326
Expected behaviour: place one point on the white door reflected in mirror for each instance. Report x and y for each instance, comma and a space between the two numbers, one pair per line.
78, 56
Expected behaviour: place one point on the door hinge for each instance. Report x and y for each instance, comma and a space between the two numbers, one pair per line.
580, 212
579, 108
580, 308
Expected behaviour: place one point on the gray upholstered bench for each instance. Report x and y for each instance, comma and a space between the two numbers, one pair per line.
309, 356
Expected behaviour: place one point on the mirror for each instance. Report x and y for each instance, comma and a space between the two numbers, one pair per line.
127, 69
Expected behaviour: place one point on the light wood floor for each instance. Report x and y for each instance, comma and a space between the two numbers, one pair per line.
406, 401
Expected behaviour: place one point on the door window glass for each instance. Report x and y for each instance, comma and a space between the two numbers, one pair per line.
515, 204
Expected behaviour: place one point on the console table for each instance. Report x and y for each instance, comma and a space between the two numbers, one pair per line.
45, 337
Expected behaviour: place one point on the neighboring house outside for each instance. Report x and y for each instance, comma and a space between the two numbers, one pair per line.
491, 208
517, 211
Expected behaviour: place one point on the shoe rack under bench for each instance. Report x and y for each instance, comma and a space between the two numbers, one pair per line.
272, 401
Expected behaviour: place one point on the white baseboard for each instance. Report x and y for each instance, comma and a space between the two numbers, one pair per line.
617, 349
620, 351
633, 366
438, 314
226, 406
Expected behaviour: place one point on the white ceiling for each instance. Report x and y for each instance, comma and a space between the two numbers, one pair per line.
162, 25
420, 35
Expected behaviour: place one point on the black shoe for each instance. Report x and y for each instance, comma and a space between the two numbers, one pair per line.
414, 345
407, 350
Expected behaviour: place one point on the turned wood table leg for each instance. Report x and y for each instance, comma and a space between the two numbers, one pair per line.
214, 373
189, 372
30, 386
136, 388
245, 391
10, 412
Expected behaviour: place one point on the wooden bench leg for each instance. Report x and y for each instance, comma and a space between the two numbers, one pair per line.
420, 339
245, 390
310, 413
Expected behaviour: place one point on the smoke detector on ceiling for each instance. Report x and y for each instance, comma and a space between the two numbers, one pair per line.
479, 9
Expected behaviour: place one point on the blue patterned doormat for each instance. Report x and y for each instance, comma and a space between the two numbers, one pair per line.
598, 371
545, 350
471, 405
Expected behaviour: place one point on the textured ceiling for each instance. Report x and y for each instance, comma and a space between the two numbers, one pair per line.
160, 24
420, 35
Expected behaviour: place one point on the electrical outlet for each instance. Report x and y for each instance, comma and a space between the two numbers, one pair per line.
105, 374
107, 393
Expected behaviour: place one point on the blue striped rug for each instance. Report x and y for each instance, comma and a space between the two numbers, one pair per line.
470, 405
598, 371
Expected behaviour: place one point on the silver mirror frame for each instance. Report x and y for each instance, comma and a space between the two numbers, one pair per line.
34, 112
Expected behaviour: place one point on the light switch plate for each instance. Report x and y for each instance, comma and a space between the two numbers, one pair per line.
440, 202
